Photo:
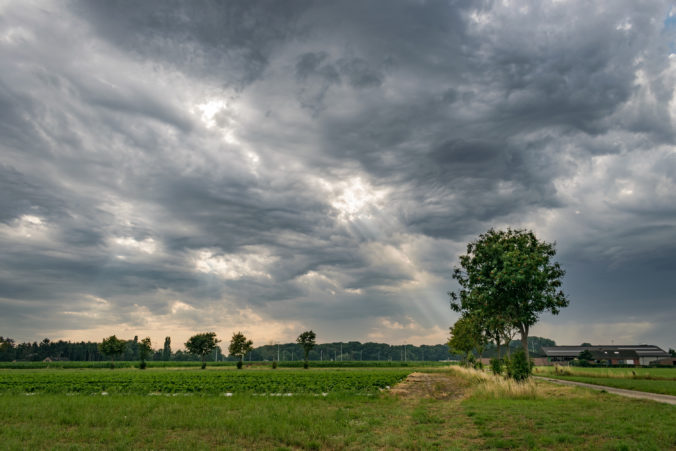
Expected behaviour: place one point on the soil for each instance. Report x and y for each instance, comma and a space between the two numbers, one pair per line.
429, 385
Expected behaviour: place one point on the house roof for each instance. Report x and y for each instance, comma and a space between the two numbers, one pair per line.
636, 350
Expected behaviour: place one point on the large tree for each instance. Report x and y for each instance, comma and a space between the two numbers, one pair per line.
307, 341
240, 346
509, 274
202, 345
112, 346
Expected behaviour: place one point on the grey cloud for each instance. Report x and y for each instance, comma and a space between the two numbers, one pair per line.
537, 117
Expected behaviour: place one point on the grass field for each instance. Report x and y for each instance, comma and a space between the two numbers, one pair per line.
651, 380
479, 412
665, 387
619, 373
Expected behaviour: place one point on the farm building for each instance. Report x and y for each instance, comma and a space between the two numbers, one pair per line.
611, 354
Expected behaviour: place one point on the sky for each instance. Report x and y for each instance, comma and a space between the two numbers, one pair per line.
169, 168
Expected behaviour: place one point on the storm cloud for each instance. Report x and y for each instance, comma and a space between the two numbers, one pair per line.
173, 167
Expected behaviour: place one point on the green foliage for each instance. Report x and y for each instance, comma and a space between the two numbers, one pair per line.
586, 355
166, 350
466, 335
509, 275
144, 350
274, 365
307, 340
112, 347
518, 366
496, 366
200, 382
240, 346
202, 344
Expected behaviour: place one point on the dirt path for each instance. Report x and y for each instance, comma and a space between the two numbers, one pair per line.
618, 391
429, 385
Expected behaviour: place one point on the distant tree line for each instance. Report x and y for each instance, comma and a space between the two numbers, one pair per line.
352, 350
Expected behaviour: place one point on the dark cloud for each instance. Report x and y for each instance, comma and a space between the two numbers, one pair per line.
314, 164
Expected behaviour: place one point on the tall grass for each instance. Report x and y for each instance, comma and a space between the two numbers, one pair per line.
490, 386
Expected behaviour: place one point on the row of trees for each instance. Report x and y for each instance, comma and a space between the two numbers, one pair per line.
507, 280
351, 350
201, 345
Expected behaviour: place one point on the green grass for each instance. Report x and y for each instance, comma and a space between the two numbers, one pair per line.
623, 373
555, 417
579, 420
665, 387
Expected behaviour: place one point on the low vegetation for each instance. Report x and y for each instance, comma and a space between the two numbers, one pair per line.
458, 408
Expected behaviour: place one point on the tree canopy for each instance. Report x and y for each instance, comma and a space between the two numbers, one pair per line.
466, 335
509, 275
202, 344
240, 346
307, 341
112, 346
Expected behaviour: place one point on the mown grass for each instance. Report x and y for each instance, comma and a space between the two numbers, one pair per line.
616, 373
665, 387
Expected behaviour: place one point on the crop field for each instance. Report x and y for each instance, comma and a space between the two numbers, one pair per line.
211, 382
185, 408
226, 364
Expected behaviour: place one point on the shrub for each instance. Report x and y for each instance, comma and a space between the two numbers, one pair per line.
274, 364
305, 365
496, 366
143, 365
239, 364
519, 367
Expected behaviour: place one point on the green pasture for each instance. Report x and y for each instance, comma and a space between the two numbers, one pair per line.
620, 373
358, 416
665, 387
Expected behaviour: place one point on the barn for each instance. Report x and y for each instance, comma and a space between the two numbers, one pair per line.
610, 354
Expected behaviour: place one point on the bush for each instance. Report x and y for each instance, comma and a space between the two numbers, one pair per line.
204, 365
143, 365
239, 364
519, 367
274, 364
478, 365
496, 366
306, 365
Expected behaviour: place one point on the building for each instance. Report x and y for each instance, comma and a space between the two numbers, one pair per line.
609, 354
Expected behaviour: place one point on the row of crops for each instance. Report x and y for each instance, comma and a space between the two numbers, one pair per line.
197, 364
199, 382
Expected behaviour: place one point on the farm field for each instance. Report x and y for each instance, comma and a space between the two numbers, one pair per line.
460, 410
226, 364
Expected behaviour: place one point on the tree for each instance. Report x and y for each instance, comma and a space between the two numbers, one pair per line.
672, 352
466, 336
586, 344
166, 351
111, 347
240, 346
202, 344
509, 273
144, 350
586, 355
307, 341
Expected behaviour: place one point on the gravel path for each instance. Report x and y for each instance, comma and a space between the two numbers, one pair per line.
618, 391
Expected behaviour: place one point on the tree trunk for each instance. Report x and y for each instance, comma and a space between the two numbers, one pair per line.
524, 341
